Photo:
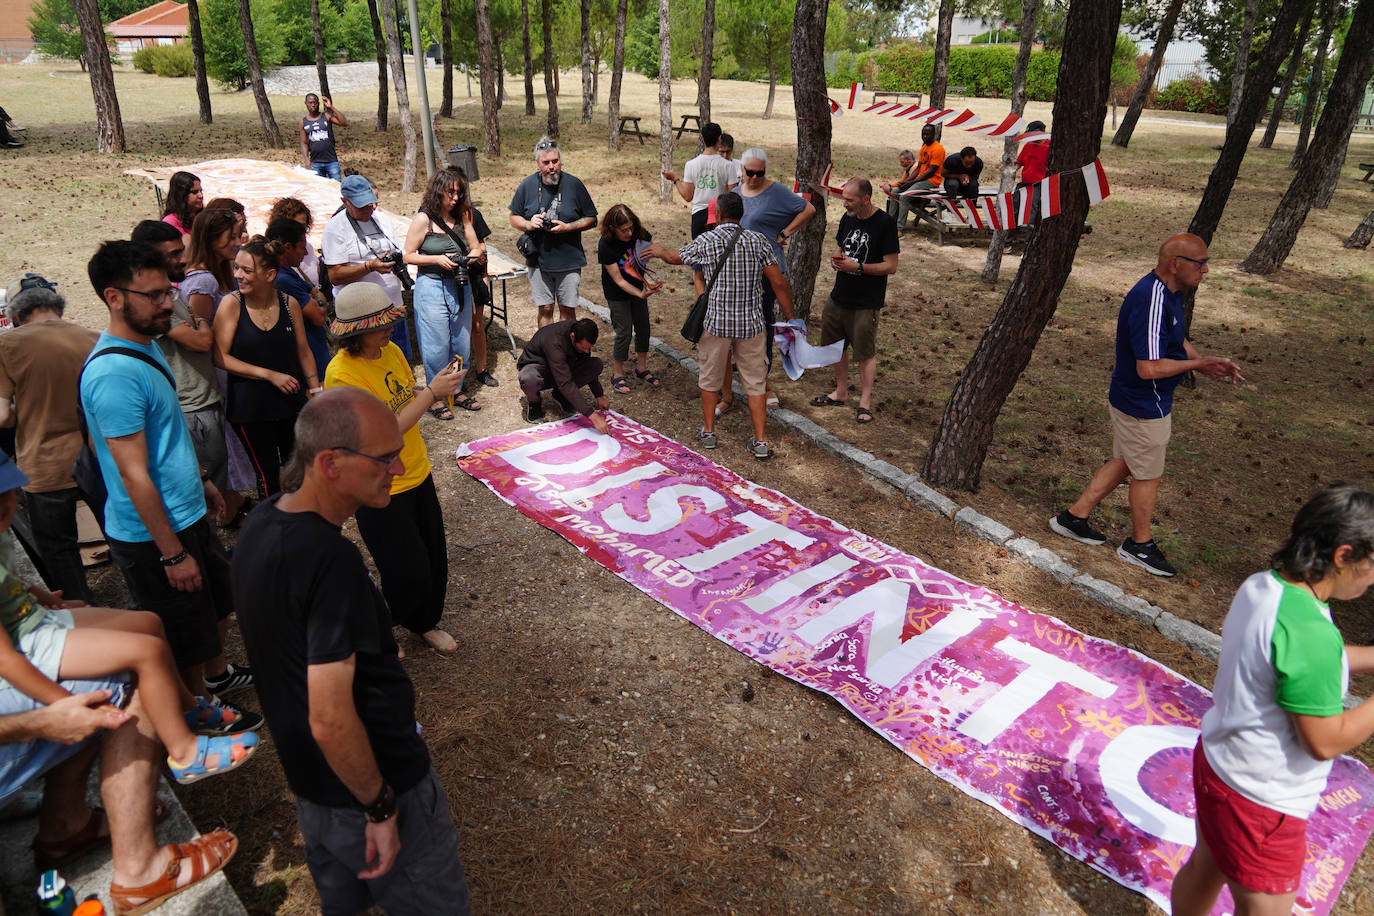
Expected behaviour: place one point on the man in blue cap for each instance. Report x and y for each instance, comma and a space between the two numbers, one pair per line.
356, 242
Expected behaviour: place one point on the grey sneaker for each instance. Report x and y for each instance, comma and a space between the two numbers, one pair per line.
1071, 526
707, 438
1147, 556
759, 449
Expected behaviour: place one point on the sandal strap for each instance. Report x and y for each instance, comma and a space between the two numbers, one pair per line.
220, 843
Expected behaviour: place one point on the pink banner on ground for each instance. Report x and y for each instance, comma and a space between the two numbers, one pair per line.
1079, 740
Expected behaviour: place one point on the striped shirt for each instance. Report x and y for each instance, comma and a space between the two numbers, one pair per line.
735, 306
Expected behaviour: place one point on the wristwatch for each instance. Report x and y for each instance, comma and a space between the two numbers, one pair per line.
384, 808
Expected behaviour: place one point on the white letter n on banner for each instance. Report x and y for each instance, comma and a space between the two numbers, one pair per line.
1042, 673
523, 458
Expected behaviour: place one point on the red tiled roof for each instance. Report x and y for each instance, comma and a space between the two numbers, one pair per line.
167, 18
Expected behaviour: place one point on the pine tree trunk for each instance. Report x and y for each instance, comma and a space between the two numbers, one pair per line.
198, 58
486, 65
529, 60
1331, 176
708, 51
550, 73
109, 124
617, 75
446, 48
1122, 138
317, 33
1245, 42
665, 102
1314, 82
500, 75
812, 106
398, 79
588, 96
250, 49
1346, 94
939, 80
380, 41
1030, 11
1271, 129
961, 442
1363, 232
772, 90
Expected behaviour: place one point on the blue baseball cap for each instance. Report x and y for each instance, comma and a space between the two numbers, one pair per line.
357, 190
11, 478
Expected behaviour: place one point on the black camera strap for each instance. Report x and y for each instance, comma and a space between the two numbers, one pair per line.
362, 236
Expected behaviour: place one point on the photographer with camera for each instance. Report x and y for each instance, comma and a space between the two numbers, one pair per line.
440, 243
552, 209
358, 247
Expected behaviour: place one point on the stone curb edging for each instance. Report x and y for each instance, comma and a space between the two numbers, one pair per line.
1190, 635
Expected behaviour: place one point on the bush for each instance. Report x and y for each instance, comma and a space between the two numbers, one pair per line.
1192, 93
165, 60
985, 70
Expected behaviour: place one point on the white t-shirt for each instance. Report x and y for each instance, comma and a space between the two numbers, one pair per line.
341, 245
711, 177
1280, 654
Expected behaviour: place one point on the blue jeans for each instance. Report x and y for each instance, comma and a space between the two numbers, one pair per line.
443, 322
23, 760
327, 170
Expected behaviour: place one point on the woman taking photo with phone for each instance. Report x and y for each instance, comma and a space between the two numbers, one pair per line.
438, 242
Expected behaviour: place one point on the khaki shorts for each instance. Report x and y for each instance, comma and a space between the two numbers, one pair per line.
751, 359
1141, 443
857, 327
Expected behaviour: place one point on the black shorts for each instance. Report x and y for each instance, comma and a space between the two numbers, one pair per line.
191, 619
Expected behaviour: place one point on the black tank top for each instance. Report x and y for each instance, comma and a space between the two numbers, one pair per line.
254, 399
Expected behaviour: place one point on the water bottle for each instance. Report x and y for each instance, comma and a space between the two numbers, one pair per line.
54, 896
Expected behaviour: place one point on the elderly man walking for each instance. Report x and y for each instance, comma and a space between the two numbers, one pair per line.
1152, 354
374, 817
734, 314
553, 207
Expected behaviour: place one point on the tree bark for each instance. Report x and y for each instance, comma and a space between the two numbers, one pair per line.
446, 48
380, 41
1331, 176
198, 58
665, 102
1314, 82
317, 32
1245, 42
486, 65
1346, 94
812, 106
250, 49
708, 51
109, 124
772, 91
1271, 129
961, 442
529, 60
398, 79
1363, 232
617, 75
1122, 138
1030, 12
500, 75
588, 98
550, 73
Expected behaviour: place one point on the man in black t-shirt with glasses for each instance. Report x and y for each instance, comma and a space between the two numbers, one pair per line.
866, 256
340, 706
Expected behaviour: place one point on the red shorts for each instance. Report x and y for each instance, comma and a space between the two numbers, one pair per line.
1260, 849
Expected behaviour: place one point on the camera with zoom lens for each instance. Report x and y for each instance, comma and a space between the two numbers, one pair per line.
398, 268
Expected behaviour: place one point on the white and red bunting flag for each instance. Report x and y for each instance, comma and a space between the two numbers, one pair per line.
1011, 124
1096, 180
974, 216
835, 108
890, 108
1023, 207
964, 119
923, 113
1030, 135
941, 116
990, 210
1006, 208
953, 206
855, 90
875, 106
1049, 196
906, 111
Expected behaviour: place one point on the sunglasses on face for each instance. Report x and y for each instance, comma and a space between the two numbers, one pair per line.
35, 281
753, 174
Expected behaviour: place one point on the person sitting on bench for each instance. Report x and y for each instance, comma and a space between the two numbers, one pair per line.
961, 173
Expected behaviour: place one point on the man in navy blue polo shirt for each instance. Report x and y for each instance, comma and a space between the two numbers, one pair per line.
1152, 354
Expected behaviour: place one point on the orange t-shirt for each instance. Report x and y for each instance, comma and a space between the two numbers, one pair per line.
932, 154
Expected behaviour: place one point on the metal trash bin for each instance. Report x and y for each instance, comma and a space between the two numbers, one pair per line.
464, 158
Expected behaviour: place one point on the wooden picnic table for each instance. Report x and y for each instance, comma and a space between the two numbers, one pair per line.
929, 210
1368, 170
696, 119
625, 119
913, 97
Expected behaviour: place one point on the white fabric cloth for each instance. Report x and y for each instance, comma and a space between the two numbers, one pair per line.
797, 354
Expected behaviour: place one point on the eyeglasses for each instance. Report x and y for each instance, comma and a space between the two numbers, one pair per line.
385, 461
1200, 262
454, 193
35, 281
545, 145
154, 296
753, 174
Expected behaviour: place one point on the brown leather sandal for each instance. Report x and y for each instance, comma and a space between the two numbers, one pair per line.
206, 854
56, 853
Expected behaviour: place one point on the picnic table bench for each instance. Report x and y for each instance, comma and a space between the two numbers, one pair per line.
930, 211
1368, 170
684, 128
625, 119
913, 97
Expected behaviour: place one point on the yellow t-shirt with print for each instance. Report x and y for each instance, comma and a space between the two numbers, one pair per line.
390, 379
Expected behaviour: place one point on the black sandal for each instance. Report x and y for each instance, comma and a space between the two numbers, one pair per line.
465, 403
440, 411
648, 378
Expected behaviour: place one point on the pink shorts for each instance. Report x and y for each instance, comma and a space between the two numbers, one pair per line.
1260, 849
